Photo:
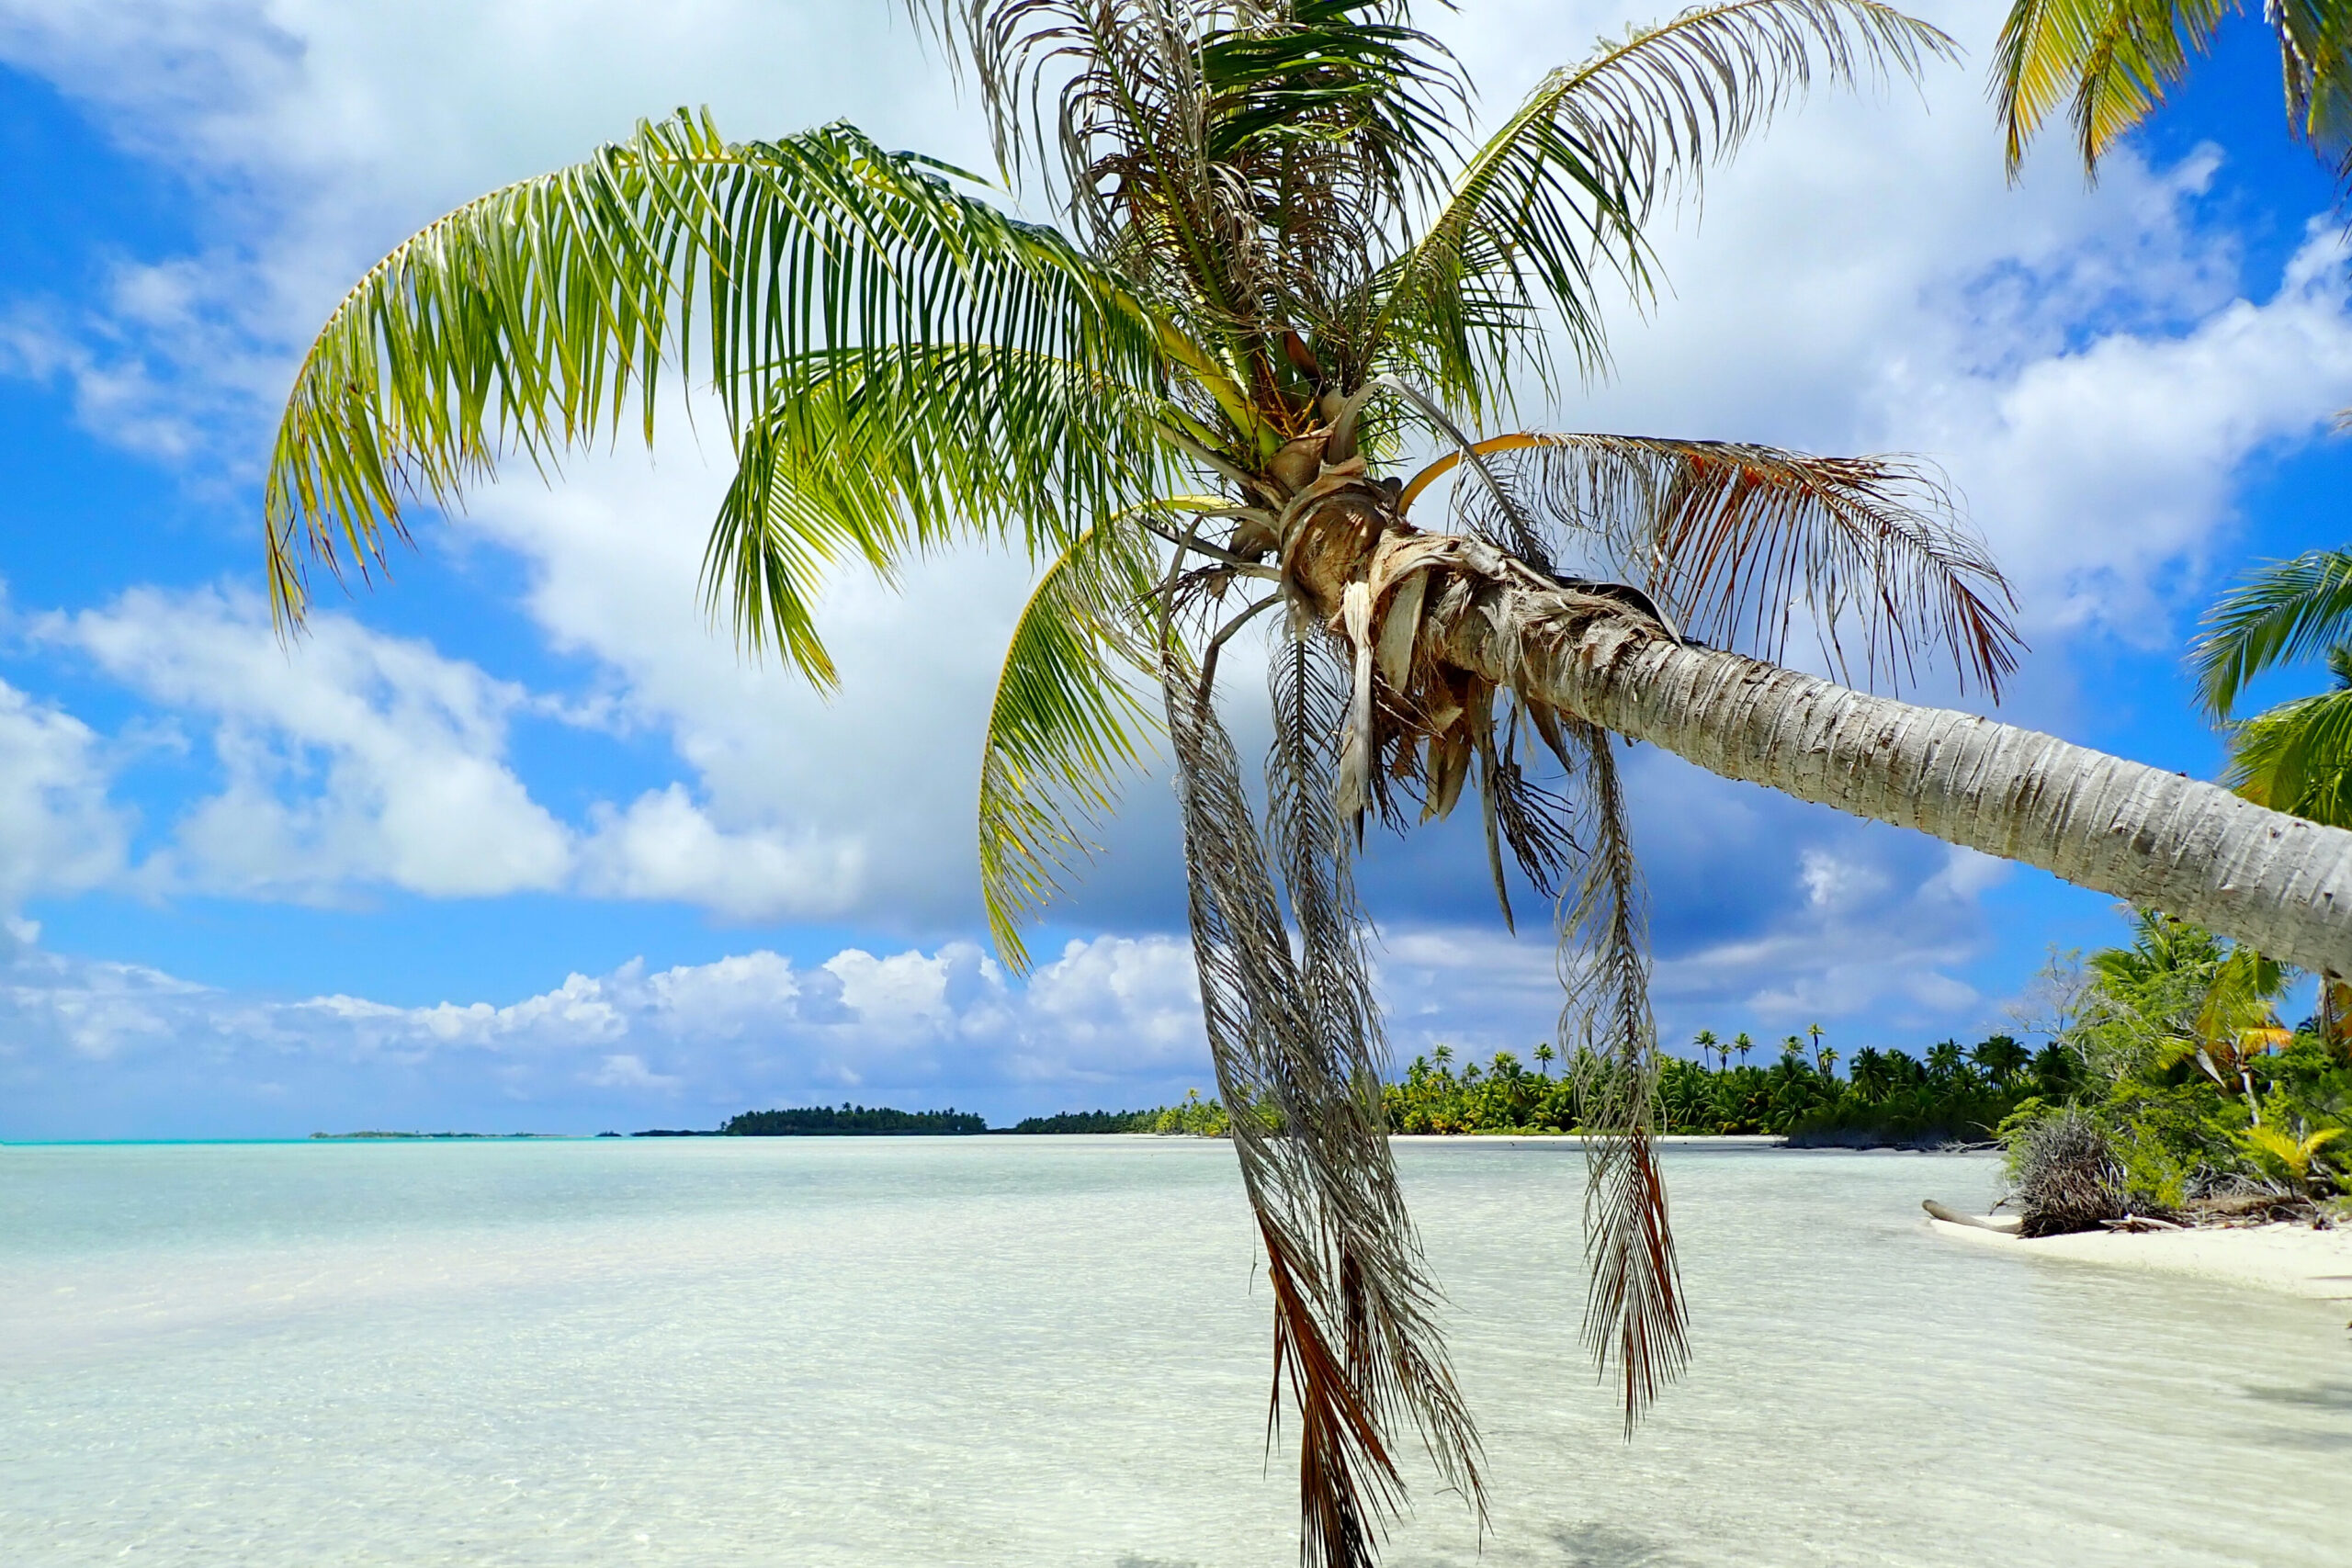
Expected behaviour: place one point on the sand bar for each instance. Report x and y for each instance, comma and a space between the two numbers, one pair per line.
2293, 1258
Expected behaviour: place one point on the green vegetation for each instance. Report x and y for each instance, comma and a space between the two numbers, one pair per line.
2207, 1104
1947, 1095
1196, 1117
850, 1120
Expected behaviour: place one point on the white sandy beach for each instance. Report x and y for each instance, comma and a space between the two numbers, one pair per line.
2292, 1259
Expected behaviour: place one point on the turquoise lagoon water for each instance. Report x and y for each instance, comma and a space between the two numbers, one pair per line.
1049, 1351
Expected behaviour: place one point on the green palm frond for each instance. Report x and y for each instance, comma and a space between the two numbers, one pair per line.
1066, 722
2288, 611
1734, 539
2112, 62
2297, 757
528, 320
1561, 191
2316, 59
882, 452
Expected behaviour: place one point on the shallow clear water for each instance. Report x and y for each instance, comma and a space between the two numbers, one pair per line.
1046, 1351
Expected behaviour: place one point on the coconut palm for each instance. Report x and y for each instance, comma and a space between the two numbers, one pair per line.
2297, 756
2111, 63
2001, 1058
1743, 1045
1944, 1061
1285, 265
1871, 1074
1544, 1055
1709, 1046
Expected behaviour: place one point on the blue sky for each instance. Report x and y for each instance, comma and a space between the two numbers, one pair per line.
516, 840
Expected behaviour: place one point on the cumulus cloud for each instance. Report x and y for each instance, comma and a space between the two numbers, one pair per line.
2093, 372
351, 759
59, 832
1112, 1020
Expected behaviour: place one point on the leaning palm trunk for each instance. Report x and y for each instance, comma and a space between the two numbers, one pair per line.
2159, 840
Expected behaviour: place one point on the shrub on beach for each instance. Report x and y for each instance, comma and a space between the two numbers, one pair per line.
2065, 1175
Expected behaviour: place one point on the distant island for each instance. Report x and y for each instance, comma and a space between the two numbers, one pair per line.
1195, 1116
850, 1120
337, 1137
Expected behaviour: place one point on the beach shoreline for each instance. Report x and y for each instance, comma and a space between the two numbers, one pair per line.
1730, 1140
2290, 1259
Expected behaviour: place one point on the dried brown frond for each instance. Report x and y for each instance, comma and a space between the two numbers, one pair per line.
1635, 1316
1294, 1036
1736, 541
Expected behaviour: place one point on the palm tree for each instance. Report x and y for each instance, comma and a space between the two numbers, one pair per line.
2111, 63
1284, 267
1872, 1072
2295, 757
1708, 1045
2002, 1058
1543, 1054
1944, 1061
1743, 1045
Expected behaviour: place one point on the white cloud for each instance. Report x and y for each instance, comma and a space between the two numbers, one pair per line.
2091, 370
351, 757
856, 801
1113, 1020
352, 760
58, 832
663, 846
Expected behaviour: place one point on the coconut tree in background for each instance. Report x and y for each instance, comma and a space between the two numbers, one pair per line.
1872, 1074
1709, 1047
1743, 1045
2001, 1058
2111, 62
1944, 1061
1283, 265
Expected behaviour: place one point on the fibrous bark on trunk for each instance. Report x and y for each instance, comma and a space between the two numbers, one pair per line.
2158, 839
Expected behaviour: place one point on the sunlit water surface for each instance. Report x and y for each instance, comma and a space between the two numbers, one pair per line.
1049, 1351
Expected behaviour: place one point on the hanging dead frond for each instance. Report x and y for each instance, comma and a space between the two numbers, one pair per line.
1635, 1317
1294, 1036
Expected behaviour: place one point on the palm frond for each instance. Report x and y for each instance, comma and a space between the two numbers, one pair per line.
1559, 193
1736, 540
2288, 611
529, 321
1635, 1317
2111, 63
2297, 757
878, 452
1237, 161
1066, 722
1294, 1040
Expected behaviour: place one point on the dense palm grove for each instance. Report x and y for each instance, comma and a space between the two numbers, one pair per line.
1945, 1094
